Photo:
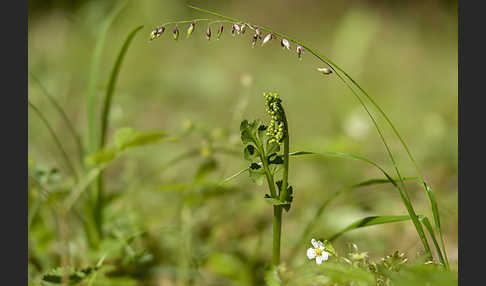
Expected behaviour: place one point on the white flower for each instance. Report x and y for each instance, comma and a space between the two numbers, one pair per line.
317, 251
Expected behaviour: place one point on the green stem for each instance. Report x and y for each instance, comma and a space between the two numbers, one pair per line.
283, 194
277, 230
277, 210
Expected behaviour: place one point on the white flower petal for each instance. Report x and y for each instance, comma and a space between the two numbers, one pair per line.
314, 243
321, 245
325, 255
311, 253
319, 259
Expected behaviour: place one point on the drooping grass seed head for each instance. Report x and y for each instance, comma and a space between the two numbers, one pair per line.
153, 34
243, 28
300, 51
220, 32
285, 44
235, 29
254, 39
267, 38
258, 32
156, 33
190, 29
208, 33
325, 71
175, 33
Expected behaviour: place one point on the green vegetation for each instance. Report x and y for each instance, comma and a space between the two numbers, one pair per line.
153, 193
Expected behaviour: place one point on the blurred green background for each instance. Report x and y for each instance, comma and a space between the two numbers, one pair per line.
404, 53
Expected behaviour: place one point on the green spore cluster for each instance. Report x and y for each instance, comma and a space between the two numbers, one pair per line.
276, 127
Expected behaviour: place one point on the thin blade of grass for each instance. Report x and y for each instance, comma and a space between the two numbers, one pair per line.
56, 140
323, 206
425, 221
369, 221
403, 196
112, 83
377, 220
104, 120
64, 116
93, 132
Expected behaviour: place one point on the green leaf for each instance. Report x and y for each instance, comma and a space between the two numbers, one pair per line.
425, 221
251, 153
75, 275
290, 196
112, 83
328, 247
403, 194
275, 201
335, 195
369, 221
127, 137
94, 77
100, 157
275, 159
252, 132
257, 174
273, 147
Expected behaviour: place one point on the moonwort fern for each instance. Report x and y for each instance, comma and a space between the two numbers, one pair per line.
240, 27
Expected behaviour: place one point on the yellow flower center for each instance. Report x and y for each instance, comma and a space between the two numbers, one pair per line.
318, 252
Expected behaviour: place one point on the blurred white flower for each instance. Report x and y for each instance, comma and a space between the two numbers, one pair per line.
317, 251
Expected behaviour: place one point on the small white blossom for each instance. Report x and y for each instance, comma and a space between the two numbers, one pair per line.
317, 251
